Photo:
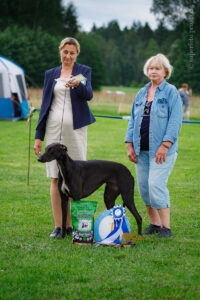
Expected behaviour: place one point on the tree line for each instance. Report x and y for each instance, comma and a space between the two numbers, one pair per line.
30, 32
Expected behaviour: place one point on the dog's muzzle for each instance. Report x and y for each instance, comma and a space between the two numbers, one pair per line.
40, 159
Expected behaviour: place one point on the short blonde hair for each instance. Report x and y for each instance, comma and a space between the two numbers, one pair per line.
159, 60
70, 41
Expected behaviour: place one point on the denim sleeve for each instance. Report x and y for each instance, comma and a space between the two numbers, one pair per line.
129, 133
175, 118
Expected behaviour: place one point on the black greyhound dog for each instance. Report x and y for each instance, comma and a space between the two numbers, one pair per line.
78, 179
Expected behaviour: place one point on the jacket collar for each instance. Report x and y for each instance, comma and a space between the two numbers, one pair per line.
160, 87
75, 69
57, 70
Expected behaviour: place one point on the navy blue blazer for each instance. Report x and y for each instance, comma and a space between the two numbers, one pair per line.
82, 115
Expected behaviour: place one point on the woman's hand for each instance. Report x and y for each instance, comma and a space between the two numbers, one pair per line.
161, 154
38, 147
131, 152
72, 82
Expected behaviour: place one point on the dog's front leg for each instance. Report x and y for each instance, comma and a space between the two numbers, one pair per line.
64, 204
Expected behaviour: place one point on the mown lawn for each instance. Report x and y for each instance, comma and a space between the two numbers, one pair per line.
32, 266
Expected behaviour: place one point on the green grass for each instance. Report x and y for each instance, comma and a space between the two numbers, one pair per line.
32, 266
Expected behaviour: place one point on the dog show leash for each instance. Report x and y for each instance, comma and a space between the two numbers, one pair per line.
62, 115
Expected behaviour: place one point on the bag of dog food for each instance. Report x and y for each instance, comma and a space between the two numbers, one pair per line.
82, 215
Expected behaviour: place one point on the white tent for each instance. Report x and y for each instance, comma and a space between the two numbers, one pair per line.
13, 92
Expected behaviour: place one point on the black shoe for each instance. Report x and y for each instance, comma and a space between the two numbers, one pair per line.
152, 229
56, 233
69, 230
165, 232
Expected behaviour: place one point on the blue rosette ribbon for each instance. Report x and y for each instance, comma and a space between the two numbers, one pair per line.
120, 226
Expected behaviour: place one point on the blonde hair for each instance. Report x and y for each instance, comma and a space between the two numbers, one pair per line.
159, 60
70, 41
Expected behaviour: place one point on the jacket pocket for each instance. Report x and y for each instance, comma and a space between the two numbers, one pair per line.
138, 108
162, 110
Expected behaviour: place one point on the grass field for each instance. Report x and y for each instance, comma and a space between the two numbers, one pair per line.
32, 266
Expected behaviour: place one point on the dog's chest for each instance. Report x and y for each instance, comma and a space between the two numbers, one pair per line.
64, 187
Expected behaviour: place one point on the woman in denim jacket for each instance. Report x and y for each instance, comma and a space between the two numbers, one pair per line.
152, 141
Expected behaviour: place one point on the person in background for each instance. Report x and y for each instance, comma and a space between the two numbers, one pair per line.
64, 117
185, 93
152, 141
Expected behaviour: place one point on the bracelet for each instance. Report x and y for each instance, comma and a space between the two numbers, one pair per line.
165, 146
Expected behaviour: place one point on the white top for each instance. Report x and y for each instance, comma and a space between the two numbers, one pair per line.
60, 114
59, 128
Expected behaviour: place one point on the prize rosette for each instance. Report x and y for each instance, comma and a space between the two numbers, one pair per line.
111, 225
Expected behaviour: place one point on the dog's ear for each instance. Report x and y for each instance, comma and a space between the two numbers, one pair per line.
64, 148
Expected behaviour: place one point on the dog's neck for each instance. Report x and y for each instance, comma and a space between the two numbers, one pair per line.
66, 164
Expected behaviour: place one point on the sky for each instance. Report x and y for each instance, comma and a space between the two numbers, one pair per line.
101, 12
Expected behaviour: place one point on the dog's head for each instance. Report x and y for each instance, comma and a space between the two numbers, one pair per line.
53, 151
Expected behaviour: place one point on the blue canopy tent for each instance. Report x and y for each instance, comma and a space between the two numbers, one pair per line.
13, 92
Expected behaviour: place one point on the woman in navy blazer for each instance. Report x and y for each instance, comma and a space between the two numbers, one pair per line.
79, 93
79, 97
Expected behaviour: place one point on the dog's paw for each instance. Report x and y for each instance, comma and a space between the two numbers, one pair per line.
69, 231
63, 233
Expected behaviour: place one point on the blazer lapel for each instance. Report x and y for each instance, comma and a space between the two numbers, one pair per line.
75, 69
56, 73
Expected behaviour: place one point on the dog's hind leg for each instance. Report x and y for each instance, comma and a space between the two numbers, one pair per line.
131, 206
110, 194
128, 199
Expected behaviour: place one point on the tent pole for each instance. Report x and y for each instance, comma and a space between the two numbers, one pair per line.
29, 148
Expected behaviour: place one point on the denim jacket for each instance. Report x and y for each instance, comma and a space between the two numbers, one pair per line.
165, 118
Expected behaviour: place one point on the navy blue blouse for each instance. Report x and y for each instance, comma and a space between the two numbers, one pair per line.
144, 130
